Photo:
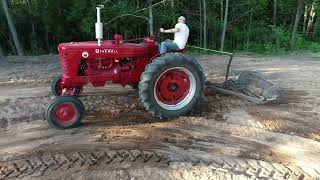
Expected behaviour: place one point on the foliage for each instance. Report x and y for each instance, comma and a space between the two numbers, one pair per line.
43, 24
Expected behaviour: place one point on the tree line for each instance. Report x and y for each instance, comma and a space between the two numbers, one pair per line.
263, 26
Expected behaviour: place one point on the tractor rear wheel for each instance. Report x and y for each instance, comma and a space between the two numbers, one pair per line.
171, 86
65, 112
57, 89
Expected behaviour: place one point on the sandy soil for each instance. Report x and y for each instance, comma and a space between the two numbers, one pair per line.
224, 138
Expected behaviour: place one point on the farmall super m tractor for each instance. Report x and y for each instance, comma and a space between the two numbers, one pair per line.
170, 85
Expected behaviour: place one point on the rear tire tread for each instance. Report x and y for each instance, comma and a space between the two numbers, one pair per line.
151, 71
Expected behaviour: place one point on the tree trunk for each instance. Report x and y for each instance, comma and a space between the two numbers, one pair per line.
12, 28
315, 27
205, 29
172, 3
311, 18
11, 45
296, 22
201, 30
249, 29
33, 37
305, 18
1, 52
150, 17
274, 13
47, 43
275, 22
221, 13
224, 26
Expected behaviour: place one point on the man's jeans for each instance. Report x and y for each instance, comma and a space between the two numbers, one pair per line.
168, 46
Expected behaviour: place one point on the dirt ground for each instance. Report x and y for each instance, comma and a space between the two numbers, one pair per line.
224, 138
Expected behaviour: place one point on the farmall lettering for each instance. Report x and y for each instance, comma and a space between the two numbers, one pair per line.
106, 51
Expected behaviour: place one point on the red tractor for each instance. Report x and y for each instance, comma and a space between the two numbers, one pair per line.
170, 85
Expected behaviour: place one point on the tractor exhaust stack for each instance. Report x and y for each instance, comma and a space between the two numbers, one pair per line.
99, 25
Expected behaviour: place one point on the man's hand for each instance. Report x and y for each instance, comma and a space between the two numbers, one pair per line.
162, 30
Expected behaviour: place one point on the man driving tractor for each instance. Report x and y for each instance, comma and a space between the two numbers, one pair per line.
181, 35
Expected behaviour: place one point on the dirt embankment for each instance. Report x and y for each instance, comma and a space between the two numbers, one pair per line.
225, 137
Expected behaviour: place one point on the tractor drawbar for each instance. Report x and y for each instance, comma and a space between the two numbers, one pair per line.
248, 85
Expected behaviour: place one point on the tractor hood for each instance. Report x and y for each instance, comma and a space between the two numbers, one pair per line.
108, 49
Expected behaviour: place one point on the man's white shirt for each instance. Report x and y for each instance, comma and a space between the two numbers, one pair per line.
181, 37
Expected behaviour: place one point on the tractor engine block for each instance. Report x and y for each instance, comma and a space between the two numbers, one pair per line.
123, 71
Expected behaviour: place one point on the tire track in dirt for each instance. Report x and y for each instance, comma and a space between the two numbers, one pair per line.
54, 163
65, 162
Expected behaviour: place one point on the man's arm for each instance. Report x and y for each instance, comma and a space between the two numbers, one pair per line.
173, 30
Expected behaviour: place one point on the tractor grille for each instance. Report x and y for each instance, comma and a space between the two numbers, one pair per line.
65, 63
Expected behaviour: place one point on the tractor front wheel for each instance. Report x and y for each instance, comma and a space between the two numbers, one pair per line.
65, 112
171, 86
